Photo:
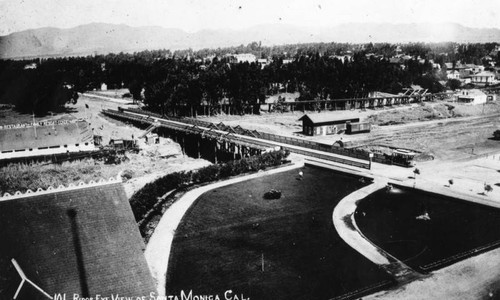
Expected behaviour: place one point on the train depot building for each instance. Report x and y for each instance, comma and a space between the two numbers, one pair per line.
321, 124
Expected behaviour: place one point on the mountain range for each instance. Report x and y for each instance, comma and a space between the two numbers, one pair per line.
102, 38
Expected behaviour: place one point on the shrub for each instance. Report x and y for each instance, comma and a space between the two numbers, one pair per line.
496, 134
206, 174
127, 174
226, 170
272, 194
144, 199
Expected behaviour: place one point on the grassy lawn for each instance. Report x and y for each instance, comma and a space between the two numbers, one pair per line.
455, 229
223, 237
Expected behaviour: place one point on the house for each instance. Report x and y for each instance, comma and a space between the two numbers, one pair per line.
45, 138
452, 74
262, 62
104, 87
476, 69
245, 57
241, 58
483, 78
76, 240
342, 58
323, 124
31, 66
473, 96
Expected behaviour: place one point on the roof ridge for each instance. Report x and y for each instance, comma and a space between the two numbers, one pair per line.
60, 188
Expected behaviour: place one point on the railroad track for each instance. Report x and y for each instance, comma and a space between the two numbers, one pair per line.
250, 141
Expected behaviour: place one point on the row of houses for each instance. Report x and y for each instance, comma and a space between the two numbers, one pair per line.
470, 73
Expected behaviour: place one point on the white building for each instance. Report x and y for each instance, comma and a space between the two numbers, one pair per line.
245, 57
472, 97
45, 138
483, 78
452, 74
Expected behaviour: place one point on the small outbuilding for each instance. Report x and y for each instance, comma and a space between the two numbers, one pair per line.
323, 124
353, 128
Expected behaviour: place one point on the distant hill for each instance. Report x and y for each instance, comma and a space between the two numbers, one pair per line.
104, 38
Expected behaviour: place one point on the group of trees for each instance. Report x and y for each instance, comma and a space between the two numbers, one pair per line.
168, 81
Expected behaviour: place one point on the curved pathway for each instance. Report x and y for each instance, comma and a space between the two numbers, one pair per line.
158, 249
345, 224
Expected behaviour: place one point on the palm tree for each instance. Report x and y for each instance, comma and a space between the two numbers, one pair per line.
415, 172
487, 188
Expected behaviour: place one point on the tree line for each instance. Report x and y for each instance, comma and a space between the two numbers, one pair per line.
177, 82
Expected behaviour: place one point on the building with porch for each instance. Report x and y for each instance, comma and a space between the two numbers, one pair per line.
483, 78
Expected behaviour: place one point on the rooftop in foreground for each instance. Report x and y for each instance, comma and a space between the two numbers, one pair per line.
77, 240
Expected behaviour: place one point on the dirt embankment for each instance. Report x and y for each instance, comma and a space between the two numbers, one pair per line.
431, 111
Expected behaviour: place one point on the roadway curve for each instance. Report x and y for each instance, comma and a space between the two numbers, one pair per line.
345, 224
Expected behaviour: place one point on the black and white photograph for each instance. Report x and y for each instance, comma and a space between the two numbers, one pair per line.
249, 149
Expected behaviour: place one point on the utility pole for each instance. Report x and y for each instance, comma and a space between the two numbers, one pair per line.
34, 125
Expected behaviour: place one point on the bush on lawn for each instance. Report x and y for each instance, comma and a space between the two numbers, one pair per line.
272, 194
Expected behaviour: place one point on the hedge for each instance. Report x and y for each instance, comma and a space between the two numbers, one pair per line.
144, 199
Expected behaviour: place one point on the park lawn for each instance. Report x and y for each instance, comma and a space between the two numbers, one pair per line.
455, 229
228, 232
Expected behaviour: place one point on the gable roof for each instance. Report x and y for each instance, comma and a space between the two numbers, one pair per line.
484, 73
471, 93
20, 138
70, 240
324, 119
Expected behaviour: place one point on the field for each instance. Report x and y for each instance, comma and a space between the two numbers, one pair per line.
233, 238
396, 221
445, 131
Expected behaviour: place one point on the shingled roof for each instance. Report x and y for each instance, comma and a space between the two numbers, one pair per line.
79, 240
46, 136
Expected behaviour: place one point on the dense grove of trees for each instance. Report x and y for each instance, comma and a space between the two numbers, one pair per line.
173, 82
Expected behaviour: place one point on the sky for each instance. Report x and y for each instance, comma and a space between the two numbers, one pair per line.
195, 15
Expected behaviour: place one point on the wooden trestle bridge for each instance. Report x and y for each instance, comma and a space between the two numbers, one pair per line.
219, 142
